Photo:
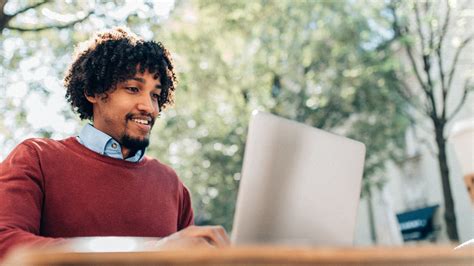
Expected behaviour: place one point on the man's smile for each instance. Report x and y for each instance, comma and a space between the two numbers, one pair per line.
143, 123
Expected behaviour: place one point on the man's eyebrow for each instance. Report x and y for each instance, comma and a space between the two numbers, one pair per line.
141, 80
138, 79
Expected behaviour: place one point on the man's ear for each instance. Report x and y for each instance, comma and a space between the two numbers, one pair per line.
91, 99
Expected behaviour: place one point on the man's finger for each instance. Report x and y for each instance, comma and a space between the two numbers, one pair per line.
221, 235
216, 235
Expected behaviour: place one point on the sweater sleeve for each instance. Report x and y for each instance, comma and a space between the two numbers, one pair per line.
186, 215
21, 200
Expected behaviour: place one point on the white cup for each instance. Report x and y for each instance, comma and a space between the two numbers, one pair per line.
462, 139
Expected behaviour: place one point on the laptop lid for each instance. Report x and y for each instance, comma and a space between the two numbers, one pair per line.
300, 185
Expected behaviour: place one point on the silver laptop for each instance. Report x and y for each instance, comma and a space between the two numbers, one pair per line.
300, 185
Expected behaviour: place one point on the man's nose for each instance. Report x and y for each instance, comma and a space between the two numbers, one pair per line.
147, 104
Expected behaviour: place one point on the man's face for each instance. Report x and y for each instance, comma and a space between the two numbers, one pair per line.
129, 112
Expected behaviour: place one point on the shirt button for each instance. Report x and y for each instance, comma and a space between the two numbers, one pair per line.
114, 145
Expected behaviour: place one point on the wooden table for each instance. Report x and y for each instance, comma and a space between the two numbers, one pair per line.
258, 255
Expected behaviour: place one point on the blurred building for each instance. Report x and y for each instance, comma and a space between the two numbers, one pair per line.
415, 182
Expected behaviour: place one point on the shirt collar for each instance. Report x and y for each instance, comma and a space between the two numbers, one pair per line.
104, 144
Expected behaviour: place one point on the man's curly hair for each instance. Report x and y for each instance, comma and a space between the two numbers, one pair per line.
112, 57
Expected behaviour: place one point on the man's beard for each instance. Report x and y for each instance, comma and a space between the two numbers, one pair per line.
134, 144
131, 143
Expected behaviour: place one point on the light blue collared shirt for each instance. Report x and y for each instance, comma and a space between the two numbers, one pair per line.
104, 144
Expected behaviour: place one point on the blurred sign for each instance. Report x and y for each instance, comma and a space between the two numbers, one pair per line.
417, 224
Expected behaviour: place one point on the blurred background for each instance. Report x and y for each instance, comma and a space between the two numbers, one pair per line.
396, 75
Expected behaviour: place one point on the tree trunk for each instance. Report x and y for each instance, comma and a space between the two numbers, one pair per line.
449, 214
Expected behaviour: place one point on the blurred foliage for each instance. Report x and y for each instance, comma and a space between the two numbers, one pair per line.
323, 63
314, 62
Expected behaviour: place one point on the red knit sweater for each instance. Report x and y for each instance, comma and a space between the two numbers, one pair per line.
51, 190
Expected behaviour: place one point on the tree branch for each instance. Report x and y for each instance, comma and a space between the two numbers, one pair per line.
2, 5
419, 28
438, 50
67, 25
426, 56
402, 31
395, 23
455, 60
4, 18
23, 10
425, 87
466, 90
408, 96
425, 52
431, 31
444, 29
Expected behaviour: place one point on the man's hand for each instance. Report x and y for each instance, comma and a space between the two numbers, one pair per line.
195, 236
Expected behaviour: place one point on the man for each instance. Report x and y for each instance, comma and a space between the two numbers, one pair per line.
100, 183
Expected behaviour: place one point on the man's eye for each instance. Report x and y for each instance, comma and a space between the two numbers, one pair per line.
156, 96
132, 89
